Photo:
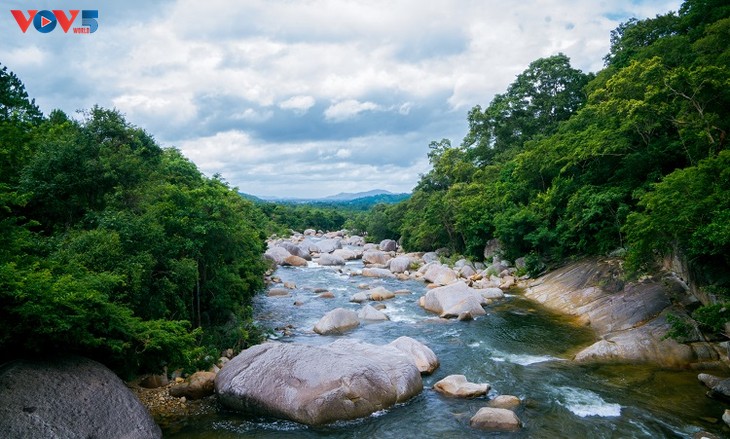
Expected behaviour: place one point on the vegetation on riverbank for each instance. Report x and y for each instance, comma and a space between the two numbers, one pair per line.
114, 248
631, 160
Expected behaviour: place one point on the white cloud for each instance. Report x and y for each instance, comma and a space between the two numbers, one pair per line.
348, 109
235, 84
299, 104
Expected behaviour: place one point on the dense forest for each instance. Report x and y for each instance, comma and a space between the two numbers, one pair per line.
629, 161
115, 248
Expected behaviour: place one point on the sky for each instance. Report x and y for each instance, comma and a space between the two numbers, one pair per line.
303, 98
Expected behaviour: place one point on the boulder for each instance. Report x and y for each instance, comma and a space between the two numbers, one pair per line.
310, 232
69, 397
452, 300
277, 254
430, 257
278, 292
457, 386
400, 264
380, 293
296, 250
377, 272
721, 390
359, 297
492, 249
726, 417
367, 312
508, 402
337, 321
467, 271
375, 257
328, 260
440, 274
388, 245
709, 380
420, 354
317, 384
491, 293
495, 419
329, 245
198, 386
346, 254
326, 295
356, 240
294, 261
154, 381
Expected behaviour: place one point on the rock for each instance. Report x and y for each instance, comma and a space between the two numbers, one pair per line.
222, 362
630, 318
495, 419
296, 250
492, 249
69, 397
726, 417
198, 386
457, 386
420, 354
377, 272
452, 300
310, 232
329, 245
154, 381
326, 295
328, 260
709, 380
375, 257
430, 257
290, 285
337, 321
380, 293
277, 254
379, 306
355, 240
465, 316
388, 245
440, 274
278, 292
721, 390
520, 263
491, 293
400, 264
402, 292
367, 312
467, 271
317, 384
508, 402
507, 282
294, 261
359, 298
346, 254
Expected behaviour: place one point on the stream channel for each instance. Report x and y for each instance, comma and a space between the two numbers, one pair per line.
519, 348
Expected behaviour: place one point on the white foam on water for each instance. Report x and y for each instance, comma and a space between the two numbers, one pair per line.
475, 344
522, 359
584, 403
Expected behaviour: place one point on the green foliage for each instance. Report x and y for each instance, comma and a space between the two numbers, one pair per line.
713, 317
115, 248
565, 164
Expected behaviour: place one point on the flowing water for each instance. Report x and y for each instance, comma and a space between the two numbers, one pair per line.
519, 348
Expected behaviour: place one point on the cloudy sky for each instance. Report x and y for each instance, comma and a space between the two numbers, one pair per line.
304, 98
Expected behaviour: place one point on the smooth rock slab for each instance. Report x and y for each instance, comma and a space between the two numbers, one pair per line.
71, 398
457, 386
495, 419
317, 384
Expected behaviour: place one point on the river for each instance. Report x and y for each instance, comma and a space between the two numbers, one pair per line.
519, 348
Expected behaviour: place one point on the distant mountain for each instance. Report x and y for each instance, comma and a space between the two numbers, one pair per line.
347, 196
356, 200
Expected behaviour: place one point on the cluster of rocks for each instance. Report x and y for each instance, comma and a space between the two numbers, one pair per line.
458, 291
499, 413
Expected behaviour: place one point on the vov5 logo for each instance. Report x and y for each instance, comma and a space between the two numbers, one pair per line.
46, 21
